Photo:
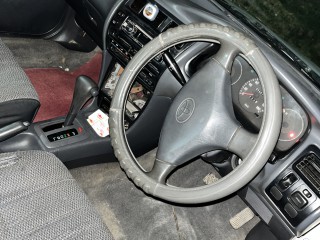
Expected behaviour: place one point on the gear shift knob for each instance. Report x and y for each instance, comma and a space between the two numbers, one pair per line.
85, 89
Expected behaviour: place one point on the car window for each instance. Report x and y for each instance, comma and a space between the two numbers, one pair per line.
295, 22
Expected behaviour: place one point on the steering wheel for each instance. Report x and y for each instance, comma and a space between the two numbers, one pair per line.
201, 117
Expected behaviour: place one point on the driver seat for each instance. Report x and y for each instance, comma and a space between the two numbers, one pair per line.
39, 199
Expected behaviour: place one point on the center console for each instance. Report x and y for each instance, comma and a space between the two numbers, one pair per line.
128, 32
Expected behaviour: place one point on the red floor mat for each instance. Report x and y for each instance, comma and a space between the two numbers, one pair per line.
55, 87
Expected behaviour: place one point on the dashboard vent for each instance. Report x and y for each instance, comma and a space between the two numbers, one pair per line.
309, 169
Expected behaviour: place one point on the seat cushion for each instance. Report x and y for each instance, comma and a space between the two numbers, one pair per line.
18, 99
39, 199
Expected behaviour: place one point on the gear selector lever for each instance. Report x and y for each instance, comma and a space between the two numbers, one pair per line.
85, 89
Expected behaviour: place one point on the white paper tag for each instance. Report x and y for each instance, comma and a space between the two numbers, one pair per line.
99, 122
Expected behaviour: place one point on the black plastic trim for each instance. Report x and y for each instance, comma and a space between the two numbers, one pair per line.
23, 110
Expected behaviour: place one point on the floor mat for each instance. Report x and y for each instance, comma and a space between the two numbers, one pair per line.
130, 214
55, 86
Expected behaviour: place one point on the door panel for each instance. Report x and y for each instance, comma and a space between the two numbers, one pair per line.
32, 17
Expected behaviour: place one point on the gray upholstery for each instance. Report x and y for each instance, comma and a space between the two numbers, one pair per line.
18, 99
39, 199
13, 81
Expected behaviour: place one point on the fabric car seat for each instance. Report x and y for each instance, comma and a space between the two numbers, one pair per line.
39, 199
18, 99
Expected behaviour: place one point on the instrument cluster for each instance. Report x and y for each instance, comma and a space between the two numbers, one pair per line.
248, 100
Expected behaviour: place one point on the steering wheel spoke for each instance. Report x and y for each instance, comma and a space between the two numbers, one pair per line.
160, 171
242, 142
226, 55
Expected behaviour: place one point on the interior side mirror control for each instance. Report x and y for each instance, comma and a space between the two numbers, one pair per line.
287, 181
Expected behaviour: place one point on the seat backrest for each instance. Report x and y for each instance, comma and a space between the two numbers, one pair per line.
18, 99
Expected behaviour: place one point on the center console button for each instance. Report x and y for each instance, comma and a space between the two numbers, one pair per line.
298, 199
129, 28
121, 14
290, 210
276, 193
307, 193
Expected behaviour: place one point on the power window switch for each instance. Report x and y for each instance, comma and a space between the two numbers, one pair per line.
299, 200
290, 210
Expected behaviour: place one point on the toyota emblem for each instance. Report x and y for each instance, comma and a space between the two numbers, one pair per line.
185, 110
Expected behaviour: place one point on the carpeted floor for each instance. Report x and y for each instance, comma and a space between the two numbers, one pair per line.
55, 86
53, 70
130, 214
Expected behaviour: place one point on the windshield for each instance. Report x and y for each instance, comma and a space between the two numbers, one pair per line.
293, 22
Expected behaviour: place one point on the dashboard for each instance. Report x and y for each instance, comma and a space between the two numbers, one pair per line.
292, 175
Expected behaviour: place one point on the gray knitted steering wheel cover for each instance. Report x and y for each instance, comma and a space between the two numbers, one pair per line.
266, 139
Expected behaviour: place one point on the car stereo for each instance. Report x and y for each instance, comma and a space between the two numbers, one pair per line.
127, 34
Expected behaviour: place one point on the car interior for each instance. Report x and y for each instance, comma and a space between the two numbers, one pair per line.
154, 119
